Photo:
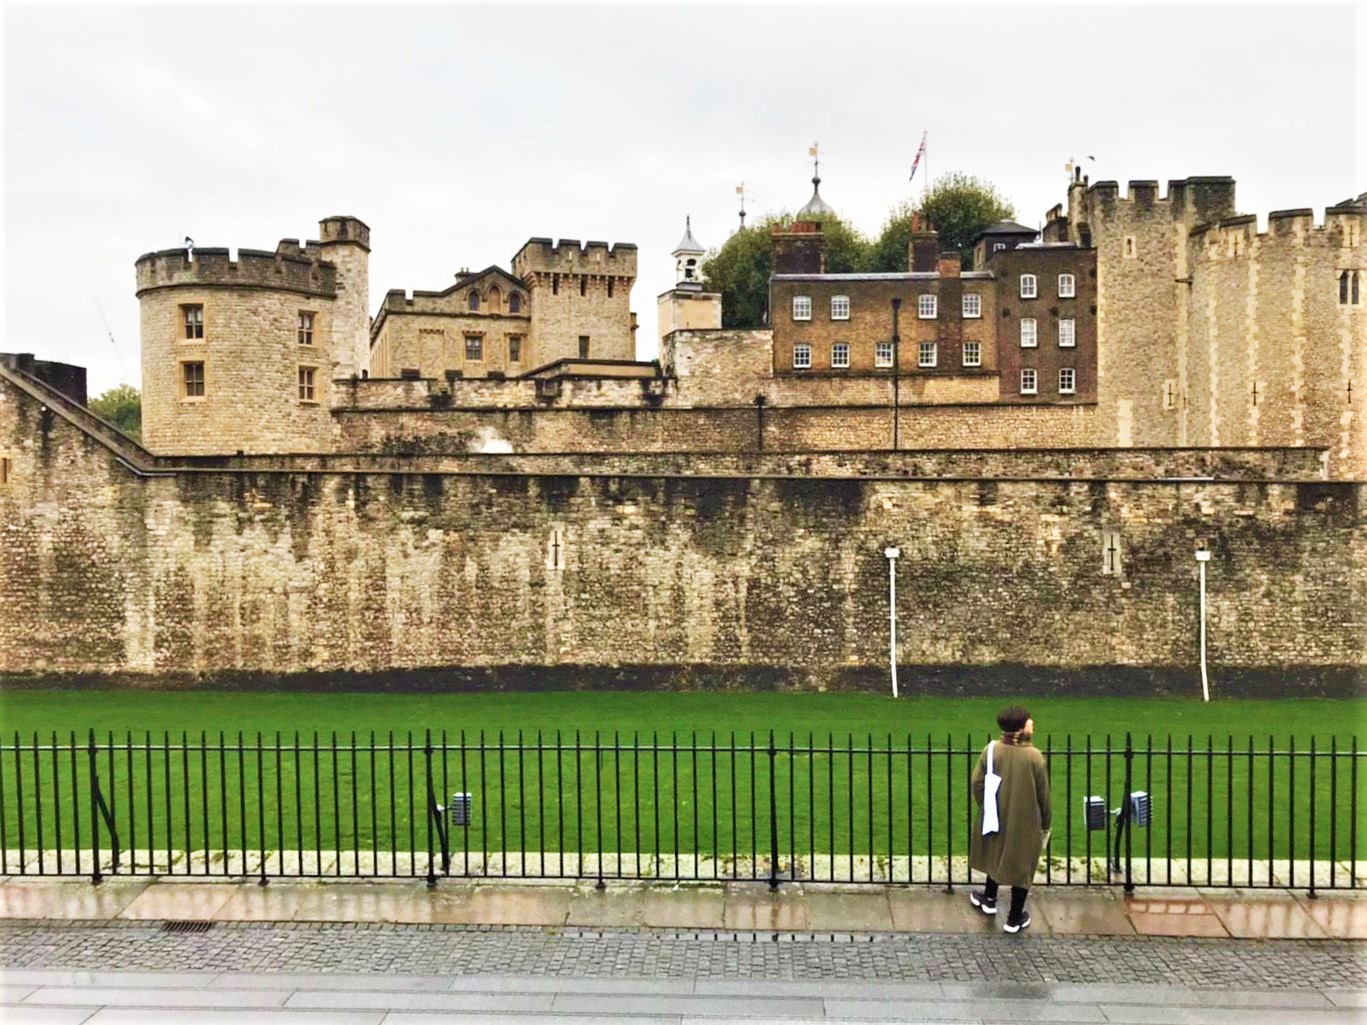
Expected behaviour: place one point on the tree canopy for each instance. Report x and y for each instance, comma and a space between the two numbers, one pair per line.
958, 205
122, 407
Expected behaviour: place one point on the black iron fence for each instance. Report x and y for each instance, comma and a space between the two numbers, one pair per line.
601, 807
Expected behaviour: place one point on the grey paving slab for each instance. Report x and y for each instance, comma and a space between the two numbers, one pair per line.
1174, 996
561, 984
963, 1010
59, 977
1346, 998
1136, 1014
430, 1018
768, 1007
186, 1016
99, 996
819, 988
323, 980
47, 1015
13, 994
390, 1000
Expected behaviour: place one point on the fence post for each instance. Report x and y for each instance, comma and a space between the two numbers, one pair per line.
96, 876
431, 804
773, 815
1313, 838
1129, 818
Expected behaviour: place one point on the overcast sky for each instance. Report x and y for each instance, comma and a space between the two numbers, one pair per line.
456, 132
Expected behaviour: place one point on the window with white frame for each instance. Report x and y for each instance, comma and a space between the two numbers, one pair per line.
1067, 381
882, 354
1029, 286
1067, 333
802, 307
973, 305
840, 307
306, 384
305, 329
1029, 333
802, 357
927, 354
973, 354
926, 307
1029, 381
840, 355
1067, 286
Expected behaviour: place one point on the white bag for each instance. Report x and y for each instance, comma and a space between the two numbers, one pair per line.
991, 784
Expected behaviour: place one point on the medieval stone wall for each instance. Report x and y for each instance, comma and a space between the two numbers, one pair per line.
104, 570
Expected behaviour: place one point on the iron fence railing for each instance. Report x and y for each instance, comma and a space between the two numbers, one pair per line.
603, 807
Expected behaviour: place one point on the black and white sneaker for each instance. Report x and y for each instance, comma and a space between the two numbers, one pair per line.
1018, 924
980, 900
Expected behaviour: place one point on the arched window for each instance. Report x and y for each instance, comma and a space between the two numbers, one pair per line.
474, 300
1343, 288
1355, 288
494, 299
690, 269
515, 302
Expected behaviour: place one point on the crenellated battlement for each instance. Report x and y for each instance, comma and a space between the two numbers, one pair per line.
1292, 227
568, 256
1197, 199
289, 269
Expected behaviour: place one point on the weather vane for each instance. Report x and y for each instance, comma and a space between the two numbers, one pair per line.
740, 191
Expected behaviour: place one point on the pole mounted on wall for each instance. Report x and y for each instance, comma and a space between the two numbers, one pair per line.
891, 554
1203, 557
896, 374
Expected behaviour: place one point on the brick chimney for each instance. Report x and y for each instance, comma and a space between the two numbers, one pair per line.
800, 248
949, 265
923, 251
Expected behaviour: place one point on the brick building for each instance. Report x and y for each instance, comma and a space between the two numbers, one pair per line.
1020, 326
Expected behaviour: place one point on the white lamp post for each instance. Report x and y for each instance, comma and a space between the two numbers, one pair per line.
891, 554
1203, 557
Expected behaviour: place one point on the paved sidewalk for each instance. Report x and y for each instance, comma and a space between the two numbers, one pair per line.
405, 975
807, 907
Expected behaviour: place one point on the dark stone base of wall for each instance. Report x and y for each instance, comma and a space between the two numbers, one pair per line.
1003, 680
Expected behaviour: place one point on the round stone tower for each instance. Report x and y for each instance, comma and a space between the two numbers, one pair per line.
239, 355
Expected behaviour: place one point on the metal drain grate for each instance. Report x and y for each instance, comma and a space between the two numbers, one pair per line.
186, 926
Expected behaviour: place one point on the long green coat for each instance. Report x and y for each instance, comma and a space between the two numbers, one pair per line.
1024, 812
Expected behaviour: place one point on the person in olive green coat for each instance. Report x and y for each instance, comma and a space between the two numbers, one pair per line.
1010, 850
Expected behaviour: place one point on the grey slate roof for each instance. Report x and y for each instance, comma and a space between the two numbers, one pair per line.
689, 243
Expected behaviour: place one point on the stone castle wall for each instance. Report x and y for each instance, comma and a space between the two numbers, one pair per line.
779, 578
668, 428
1272, 350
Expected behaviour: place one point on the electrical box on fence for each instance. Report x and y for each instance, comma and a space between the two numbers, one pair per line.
1140, 808
1095, 810
459, 809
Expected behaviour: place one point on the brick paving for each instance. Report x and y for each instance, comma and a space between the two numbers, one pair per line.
674, 954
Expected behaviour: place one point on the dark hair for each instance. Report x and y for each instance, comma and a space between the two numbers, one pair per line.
1012, 719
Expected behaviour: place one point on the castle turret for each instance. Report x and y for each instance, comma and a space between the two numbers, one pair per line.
239, 355
580, 299
686, 305
345, 243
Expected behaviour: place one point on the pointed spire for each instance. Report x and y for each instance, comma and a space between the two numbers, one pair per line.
689, 244
816, 208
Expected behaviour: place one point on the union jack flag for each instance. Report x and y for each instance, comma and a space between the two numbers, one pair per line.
919, 154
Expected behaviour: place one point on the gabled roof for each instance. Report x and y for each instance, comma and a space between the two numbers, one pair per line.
481, 278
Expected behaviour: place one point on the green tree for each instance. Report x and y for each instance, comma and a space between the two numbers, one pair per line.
740, 269
122, 407
959, 206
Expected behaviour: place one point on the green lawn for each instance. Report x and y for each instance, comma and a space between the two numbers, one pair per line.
894, 782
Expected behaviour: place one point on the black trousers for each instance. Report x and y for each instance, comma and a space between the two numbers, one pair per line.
1018, 895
